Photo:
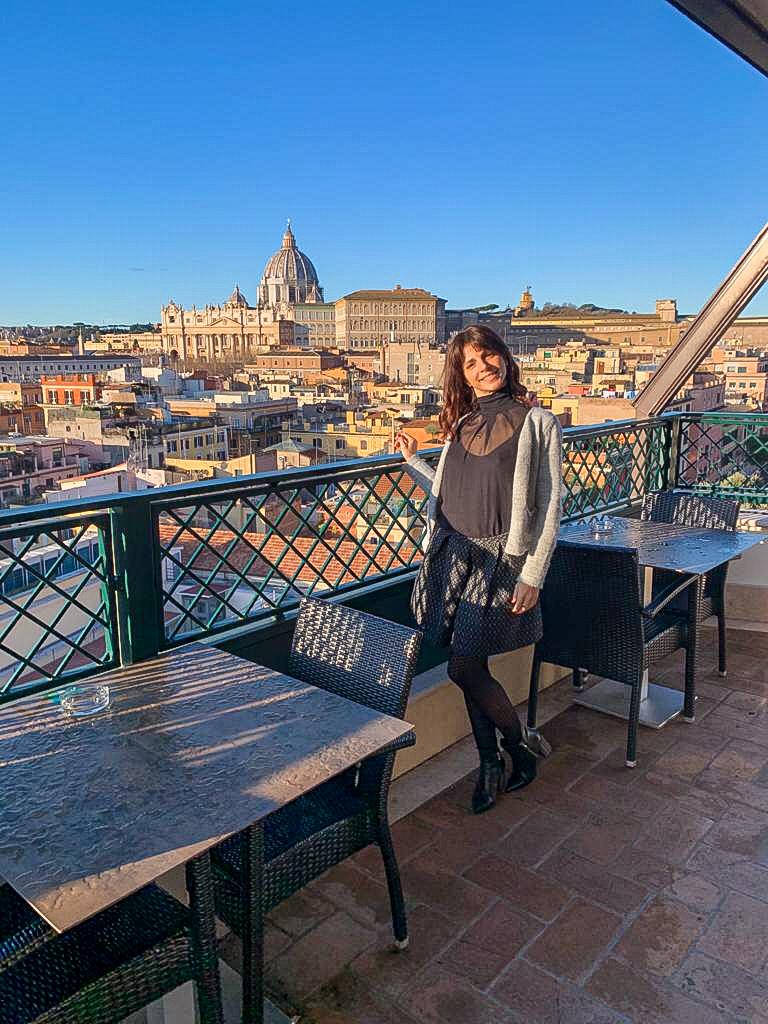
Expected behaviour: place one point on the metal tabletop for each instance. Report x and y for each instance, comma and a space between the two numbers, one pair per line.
683, 549
196, 745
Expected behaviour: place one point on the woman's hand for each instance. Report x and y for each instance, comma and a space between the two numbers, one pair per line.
405, 444
523, 599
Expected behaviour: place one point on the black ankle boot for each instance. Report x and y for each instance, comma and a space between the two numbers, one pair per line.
523, 767
490, 782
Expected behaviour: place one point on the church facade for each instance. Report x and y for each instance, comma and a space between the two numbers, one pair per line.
234, 330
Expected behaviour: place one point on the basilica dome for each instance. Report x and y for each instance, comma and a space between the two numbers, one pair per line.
289, 276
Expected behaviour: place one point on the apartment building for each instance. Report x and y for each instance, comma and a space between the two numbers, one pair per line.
357, 435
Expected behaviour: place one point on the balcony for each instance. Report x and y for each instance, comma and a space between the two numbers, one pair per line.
531, 906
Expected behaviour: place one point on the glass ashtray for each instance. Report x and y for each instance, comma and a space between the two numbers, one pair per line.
84, 699
601, 525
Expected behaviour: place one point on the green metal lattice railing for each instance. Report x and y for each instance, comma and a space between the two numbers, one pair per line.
91, 584
723, 453
57, 610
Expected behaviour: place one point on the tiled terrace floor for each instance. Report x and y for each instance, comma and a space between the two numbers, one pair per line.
599, 894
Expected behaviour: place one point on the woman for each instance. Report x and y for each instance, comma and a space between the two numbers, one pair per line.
493, 518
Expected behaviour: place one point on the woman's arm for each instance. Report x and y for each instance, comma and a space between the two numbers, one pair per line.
549, 489
417, 468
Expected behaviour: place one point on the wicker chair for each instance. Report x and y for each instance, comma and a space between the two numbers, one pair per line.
366, 659
594, 620
106, 968
711, 513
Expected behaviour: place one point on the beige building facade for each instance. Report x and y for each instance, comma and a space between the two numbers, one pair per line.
369, 319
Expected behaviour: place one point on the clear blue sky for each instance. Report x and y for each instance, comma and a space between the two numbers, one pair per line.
600, 151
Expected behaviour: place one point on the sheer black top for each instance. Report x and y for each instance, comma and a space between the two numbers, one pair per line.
475, 496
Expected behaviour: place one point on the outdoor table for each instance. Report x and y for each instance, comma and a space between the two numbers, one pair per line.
686, 550
196, 745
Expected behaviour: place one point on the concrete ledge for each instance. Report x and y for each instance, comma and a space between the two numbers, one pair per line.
436, 707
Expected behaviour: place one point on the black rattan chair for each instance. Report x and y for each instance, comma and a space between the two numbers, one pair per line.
594, 620
711, 513
366, 659
106, 968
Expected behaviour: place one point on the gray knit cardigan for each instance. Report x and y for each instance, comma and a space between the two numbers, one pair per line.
536, 493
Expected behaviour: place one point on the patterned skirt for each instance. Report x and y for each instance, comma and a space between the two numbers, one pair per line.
461, 596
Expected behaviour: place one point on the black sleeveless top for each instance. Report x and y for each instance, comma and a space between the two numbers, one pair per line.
475, 496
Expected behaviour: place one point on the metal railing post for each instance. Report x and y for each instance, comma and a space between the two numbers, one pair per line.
137, 575
675, 438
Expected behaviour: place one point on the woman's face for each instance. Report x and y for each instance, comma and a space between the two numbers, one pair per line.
484, 370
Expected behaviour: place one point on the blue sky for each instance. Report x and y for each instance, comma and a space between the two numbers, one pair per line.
156, 150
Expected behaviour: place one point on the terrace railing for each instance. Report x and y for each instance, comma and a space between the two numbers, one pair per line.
88, 584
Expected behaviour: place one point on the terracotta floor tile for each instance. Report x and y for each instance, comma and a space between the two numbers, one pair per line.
730, 871
645, 1000
386, 970
535, 838
696, 891
647, 870
439, 997
349, 1000
743, 830
685, 760
478, 966
743, 726
660, 937
554, 798
300, 912
503, 929
317, 957
748, 703
571, 944
458, 899
604, 836
594, 882
725, 987
673, 835
738, 933
740, 760
538, 998
526, 889
614, 768
352, 890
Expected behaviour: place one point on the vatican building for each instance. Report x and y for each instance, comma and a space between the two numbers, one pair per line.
289, 310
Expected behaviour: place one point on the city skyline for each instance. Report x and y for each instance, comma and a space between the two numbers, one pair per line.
550, 146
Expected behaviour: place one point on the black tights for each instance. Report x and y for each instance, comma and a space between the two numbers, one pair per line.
488, 705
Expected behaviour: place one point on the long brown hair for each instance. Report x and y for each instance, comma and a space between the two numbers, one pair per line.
458, 396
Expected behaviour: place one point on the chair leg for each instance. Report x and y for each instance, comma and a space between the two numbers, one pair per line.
722, 643
689, 699
396, 899
634, 719
533, 693
253, 925
578, 679
207, 980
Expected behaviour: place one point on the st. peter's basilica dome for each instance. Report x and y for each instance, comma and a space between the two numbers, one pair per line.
289, 276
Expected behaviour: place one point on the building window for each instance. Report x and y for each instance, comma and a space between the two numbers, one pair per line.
363, 446
339, 442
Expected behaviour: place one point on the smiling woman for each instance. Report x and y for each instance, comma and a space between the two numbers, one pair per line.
494, 512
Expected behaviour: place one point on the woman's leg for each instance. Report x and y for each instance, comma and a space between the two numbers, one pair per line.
479, 686
483, 730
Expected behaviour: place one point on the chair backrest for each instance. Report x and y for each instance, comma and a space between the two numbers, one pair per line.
354, 654
591, 608
690, 510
